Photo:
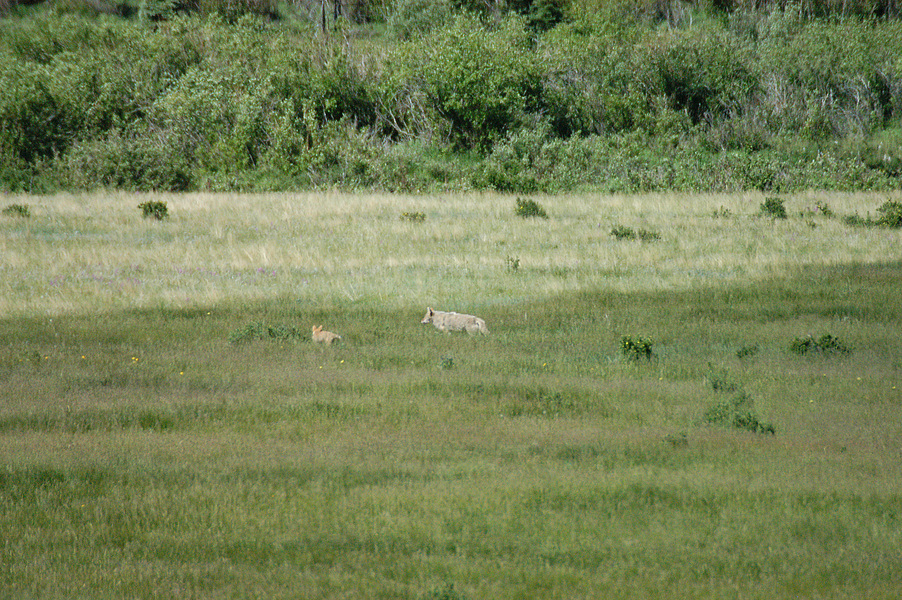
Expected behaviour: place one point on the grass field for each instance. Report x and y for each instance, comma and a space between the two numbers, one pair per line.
168, 429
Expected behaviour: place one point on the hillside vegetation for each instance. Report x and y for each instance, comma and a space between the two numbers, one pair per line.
417, 95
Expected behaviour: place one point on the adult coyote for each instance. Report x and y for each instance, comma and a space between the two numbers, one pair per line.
452, 321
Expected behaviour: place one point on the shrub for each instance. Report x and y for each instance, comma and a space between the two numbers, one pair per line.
890, 214
413, 217
478, 81
823, 208
773, 208
748, 351
636, 349
722, 213
513, 264
826, 344
17, 210
626, 233
529, 208
154, 208
738, 412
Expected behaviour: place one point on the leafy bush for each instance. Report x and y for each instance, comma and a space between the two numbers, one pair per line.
748, 351
529, 208
513, 264
890, 214
637, 349
622, 232
773, 208
413, 217
826, 345
17, 210
154, 208
738, 412
480, 81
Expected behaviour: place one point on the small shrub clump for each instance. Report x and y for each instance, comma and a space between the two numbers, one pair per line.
513, 264
722, 213
17, 210
530, 208
826, 345
637, 349
738, 412
622, 232
413, 217
773, 208
154, 209
890, 214
748, 351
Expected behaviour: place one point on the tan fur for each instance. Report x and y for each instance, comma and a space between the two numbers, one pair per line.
324, 337
452, 321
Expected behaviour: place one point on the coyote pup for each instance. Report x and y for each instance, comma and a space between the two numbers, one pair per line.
326, 337
452, 321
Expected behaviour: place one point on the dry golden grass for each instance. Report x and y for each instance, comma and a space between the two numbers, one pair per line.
78, 254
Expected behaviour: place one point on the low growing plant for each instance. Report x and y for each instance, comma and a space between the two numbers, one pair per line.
17, 210
513, 264
748, 351
826, 344
530, 208
738, 412
722, 213
413, 217
155, 209
890, 214
773, 208
627, 233
638, 348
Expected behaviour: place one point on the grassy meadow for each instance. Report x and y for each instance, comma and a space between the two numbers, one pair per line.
168, 429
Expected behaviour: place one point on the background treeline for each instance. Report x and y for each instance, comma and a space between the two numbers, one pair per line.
417, 95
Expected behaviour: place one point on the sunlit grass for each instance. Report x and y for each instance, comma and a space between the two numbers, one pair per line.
80, 252
146, 451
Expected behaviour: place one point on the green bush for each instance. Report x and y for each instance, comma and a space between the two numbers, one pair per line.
622, 232
17, 210
154, 209
414, 217
529, 208
825, 345
478, 80
890, 214
773, 208
637, 349
737, 412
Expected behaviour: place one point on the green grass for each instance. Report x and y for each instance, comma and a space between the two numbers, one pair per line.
144, 453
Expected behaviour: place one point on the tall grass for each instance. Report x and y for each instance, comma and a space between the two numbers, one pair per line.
145, 453
78, 253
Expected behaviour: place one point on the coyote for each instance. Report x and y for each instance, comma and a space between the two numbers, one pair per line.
326, 337
452, 321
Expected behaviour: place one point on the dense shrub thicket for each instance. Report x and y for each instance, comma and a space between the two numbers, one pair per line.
533, 95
